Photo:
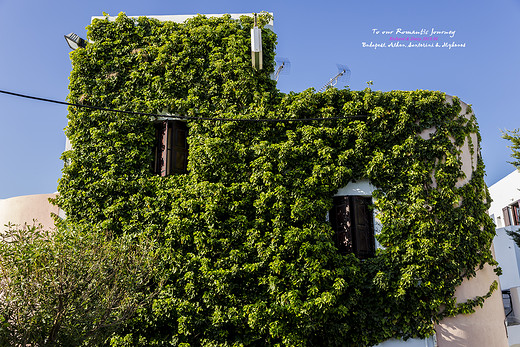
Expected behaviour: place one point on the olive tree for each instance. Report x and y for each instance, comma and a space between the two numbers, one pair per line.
70, 286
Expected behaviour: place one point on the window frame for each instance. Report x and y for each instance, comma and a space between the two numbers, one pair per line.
352, 221
511, 214
170, 151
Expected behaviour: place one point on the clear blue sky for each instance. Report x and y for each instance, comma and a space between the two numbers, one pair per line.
313, 35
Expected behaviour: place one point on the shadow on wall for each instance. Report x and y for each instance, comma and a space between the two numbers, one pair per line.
445, 333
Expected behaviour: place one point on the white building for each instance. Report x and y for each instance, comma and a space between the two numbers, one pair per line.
504, 211
483, 328
28, 209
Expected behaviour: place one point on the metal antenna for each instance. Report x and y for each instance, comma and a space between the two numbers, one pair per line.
343, 73
284, 67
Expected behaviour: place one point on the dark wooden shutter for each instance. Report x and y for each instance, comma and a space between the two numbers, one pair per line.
363, 237
353, 225
170, 148
160, 146
179, 147
341, 224
516, 213
507, 221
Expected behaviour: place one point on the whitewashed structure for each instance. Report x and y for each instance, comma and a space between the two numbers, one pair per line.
504, 211
484, 328
28, 209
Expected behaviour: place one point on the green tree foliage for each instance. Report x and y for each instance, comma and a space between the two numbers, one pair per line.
69, 287
243, 235
514, 137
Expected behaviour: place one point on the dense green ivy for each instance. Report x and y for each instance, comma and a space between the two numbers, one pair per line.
243, 235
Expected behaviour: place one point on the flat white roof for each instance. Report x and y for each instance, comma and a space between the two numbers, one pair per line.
504, 192
180, 18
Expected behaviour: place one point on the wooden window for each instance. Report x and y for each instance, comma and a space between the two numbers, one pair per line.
514, 213
507, 221
171, 147
353, 225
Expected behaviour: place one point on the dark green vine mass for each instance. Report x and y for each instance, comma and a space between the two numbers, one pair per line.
242, 237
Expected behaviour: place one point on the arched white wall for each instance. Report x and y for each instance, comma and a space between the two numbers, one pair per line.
24, 209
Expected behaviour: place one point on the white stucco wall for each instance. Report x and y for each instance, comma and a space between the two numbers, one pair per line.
429, 342
361, 187
25, 209
486, 326
507, 254
514, 335
503, 193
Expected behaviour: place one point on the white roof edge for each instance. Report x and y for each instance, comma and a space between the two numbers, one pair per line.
507, 177
180, 18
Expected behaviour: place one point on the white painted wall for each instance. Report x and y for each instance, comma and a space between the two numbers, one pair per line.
486, 326
360, 187
503, 193
429, 342
24, 209
507, 254
514, 335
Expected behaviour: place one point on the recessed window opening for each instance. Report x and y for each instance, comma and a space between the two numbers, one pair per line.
353, 223
170, 147
512, 214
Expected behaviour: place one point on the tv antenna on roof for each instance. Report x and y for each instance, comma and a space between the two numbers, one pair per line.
343, 75
283, 67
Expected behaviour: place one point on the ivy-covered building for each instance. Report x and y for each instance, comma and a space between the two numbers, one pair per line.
342, 218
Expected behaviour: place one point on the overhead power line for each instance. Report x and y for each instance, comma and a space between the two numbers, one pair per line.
178, 116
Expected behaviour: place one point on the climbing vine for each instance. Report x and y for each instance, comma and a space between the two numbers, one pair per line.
243, 236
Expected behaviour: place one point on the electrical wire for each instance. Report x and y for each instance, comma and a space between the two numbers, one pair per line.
177, 116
